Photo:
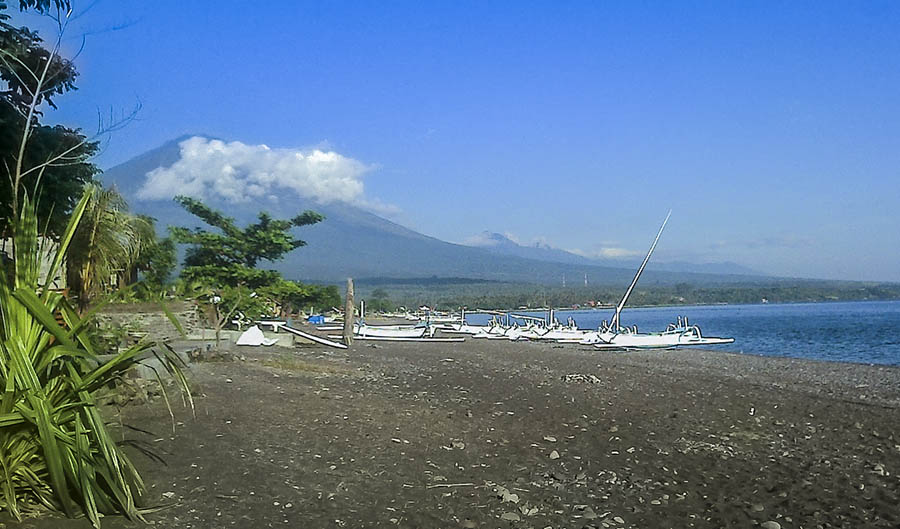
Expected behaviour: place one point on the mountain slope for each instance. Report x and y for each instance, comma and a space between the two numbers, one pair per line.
352, 242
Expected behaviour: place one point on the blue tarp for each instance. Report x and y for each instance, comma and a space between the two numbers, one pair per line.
318, 319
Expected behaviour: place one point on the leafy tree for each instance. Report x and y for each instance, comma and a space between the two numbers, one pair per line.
292, 297
229, 258
380, 301
54, 156
107, 244
221, 266
45, 6
156, 261
379, 293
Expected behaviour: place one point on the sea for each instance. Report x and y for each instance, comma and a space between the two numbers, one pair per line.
865, 332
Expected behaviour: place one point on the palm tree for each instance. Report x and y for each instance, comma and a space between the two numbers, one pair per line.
105, 247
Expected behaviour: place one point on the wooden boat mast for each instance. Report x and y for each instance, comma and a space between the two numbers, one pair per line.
614, 324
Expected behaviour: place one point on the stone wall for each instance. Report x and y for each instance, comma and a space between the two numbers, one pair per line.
150, 318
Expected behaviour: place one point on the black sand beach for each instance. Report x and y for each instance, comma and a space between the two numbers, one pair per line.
497, 434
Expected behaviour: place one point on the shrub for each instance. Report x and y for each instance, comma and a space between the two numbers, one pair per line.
55, 450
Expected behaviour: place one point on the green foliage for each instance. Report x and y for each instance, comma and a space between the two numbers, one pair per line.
157, 260
292, 297
23, 58
45, 6
55, 450
220, 267
229, 258
107, 245
324, 297
23, 54
378, 301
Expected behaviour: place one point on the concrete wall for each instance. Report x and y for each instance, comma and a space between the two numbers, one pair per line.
151, 319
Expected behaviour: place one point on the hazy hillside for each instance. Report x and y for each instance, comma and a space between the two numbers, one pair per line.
352, 242
500, 244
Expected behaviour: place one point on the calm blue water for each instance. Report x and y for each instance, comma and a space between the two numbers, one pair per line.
862, 332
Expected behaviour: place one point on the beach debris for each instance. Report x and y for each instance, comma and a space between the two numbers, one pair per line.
448, 485
589, 514
511, 516
554, 455
503, 493
254, 337
771, 524
549, 438
454, 443
579, 378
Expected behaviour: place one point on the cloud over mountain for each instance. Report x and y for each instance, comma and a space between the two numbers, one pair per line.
606, 252
237, 172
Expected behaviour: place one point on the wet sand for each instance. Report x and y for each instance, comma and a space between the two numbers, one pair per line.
495, 434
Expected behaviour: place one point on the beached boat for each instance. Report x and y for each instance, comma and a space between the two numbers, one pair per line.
615, 336
391, 331
464, 328
673, 337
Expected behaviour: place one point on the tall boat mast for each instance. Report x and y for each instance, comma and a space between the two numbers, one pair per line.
614, 325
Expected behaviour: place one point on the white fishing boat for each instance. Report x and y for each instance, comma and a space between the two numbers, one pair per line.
679, 337
362, 330
390, 331
615, 336
557, 332
565, 334
495, 332
464, 328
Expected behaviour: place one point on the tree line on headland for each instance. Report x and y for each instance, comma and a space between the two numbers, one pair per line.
453, 293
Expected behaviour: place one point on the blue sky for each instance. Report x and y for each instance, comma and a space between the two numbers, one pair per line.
772, 130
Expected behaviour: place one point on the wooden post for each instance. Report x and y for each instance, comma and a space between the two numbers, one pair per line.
348, 314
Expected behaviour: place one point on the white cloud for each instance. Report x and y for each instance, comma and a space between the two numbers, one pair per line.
481, 239
606, 252
237, 172
488, 238
513, 237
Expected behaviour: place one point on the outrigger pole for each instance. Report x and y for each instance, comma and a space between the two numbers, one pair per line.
614, 325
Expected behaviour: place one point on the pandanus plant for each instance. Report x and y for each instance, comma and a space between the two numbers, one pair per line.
55, 449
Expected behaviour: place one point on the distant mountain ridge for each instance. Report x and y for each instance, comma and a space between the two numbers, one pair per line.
500, 244
353, 242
